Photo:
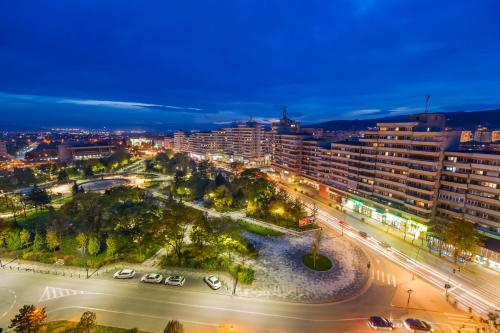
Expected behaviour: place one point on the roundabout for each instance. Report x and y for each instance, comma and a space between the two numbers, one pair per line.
321, 264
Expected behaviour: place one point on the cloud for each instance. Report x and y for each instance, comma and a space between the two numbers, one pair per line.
96, 102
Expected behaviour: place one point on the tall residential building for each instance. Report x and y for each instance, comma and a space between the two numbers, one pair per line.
3, 149
249, 143
390, 174
470, 189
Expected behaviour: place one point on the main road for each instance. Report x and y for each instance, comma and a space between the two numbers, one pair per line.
132, 304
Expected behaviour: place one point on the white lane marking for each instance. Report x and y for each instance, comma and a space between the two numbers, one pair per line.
210, 308
53, 293
13, 293
378, 275
383, 277
394, 280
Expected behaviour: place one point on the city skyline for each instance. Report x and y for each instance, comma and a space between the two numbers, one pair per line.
178, 66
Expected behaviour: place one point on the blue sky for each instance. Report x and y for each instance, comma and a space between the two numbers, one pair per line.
180, 64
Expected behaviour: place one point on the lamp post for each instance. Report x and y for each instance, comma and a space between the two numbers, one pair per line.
409, 291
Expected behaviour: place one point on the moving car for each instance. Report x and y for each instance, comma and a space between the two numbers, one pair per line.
380, 323
213, 282
417, 325
152, 278
125, 273
175, 280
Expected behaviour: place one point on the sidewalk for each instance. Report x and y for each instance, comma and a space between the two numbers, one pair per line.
473, 274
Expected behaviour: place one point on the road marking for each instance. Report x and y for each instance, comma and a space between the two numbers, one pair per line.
383, 275
13, 293
211, 308
53, 293
378, 275
394, 280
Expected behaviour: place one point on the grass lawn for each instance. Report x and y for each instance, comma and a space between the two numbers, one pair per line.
60, 326
33, 217
322, 263
259, 230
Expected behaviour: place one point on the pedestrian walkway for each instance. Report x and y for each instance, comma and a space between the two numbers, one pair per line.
53, 293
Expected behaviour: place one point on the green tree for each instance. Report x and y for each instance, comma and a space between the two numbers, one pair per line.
87, 322
110, 246
38, 242
62, 176
462, 235
39, 197
174, 326
13, 240
29, 319
82, 240
52, 240
25, 238
94, 246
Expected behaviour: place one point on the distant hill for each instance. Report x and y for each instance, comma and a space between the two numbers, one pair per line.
459, 119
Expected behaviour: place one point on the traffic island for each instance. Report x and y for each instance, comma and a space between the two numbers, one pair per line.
321, 264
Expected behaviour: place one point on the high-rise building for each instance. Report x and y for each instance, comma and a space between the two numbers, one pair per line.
390, 174
3, 149
470, 189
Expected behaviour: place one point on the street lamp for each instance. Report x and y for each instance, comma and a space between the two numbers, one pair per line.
409, 291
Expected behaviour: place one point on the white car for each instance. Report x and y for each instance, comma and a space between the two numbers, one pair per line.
175, 280
213, 282
124, 274
152, 278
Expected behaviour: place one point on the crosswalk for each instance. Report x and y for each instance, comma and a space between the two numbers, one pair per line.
53, 293
384, 277
461, 323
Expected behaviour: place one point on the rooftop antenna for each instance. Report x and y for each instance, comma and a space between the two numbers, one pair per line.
427, 99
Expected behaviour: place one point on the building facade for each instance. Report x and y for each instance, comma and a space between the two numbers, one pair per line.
3, 149
390, 174
69, 153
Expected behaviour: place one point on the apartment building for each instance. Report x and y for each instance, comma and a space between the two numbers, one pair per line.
249, 143
470, 189
390, 174
3, 149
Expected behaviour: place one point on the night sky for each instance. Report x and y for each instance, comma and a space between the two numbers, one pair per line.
193, 64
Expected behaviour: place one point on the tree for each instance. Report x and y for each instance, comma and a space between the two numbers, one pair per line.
52, 240
110, 246
13, 240
39, 197
38, 242
62, 176
25, 238
315, 246
174, 326
28, 320
462, 235
87, 322
94, 246
82, 240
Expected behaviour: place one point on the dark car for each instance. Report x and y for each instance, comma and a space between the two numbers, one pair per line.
380, 323
417, 325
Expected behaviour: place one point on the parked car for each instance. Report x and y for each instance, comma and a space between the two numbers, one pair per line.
380, 323
152, 278
175, 280
417, 325
213, 282
125, 273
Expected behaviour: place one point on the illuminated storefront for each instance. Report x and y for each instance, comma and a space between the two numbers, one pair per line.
413, 228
